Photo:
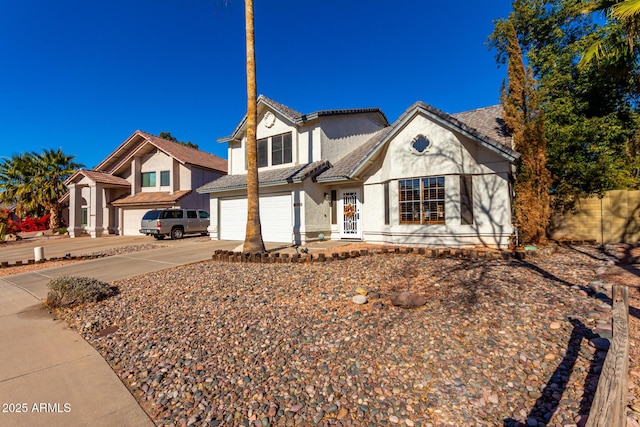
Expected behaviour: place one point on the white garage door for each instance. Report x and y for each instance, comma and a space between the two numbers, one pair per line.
131, 220
275, 217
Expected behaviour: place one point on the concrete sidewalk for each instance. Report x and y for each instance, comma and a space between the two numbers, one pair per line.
48, 374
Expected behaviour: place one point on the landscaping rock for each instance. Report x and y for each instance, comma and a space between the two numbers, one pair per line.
359, 299
408, 299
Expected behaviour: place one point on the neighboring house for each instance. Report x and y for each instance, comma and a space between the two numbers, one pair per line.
429, 179
145, 172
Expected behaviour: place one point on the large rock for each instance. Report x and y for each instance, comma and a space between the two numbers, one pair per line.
408, 299
359, 299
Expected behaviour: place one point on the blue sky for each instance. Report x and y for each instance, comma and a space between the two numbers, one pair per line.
84, 75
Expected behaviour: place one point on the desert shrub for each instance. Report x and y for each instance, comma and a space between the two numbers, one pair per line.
34, 223
66, 291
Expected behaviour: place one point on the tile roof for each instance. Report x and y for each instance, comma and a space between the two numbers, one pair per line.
488, 121
288, 112
297, 117
185, 154
150, 198
293, 174
474, 123
468, 129
99, 178
180, 152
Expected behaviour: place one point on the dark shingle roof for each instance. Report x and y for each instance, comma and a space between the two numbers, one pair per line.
266, 178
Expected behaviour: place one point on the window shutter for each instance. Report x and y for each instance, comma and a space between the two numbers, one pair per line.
334, 206
466, 200
386, 203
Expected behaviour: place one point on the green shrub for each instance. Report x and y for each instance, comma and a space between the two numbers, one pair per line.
66, 291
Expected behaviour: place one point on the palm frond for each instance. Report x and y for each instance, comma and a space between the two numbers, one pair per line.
626, 9
595, 53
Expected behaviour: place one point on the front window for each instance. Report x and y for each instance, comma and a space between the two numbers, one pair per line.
263, 153
84, 217
281, 149
148, 179
165, 178
275, 150
422, 200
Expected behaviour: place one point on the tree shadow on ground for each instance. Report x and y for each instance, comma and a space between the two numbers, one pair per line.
633, 311
552, 394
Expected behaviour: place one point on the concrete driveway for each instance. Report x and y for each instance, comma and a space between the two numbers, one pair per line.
49, 375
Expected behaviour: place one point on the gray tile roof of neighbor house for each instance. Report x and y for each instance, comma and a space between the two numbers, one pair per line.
292, 174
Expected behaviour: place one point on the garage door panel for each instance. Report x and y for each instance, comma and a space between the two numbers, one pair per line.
132, 219
233, 219
275, 217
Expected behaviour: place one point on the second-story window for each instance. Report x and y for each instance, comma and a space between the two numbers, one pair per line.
165, 178
281, 151
263, 152
148, 179
279, 146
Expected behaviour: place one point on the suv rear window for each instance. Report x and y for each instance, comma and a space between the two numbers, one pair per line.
172, 214
151, 215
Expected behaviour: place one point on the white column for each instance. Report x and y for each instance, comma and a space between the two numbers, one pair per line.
75, 217
95, 211
105, 210
214, 211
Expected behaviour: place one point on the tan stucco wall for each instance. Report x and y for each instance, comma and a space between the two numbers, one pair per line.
614, 218
341, 134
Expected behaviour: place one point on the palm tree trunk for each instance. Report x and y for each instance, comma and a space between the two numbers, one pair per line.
253, 238
54, 219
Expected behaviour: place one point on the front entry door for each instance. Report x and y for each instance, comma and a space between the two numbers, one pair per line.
350, 226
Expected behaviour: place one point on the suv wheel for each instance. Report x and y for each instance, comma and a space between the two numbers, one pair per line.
177, 233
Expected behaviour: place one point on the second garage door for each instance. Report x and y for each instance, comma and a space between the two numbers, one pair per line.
275, 217
131, 221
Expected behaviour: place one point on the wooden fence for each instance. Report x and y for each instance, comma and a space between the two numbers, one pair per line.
609, 406
613, 218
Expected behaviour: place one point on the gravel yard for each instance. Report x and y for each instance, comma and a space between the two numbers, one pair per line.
499, 343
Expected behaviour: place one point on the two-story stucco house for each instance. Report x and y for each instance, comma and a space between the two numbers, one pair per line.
430, 178
145, 172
